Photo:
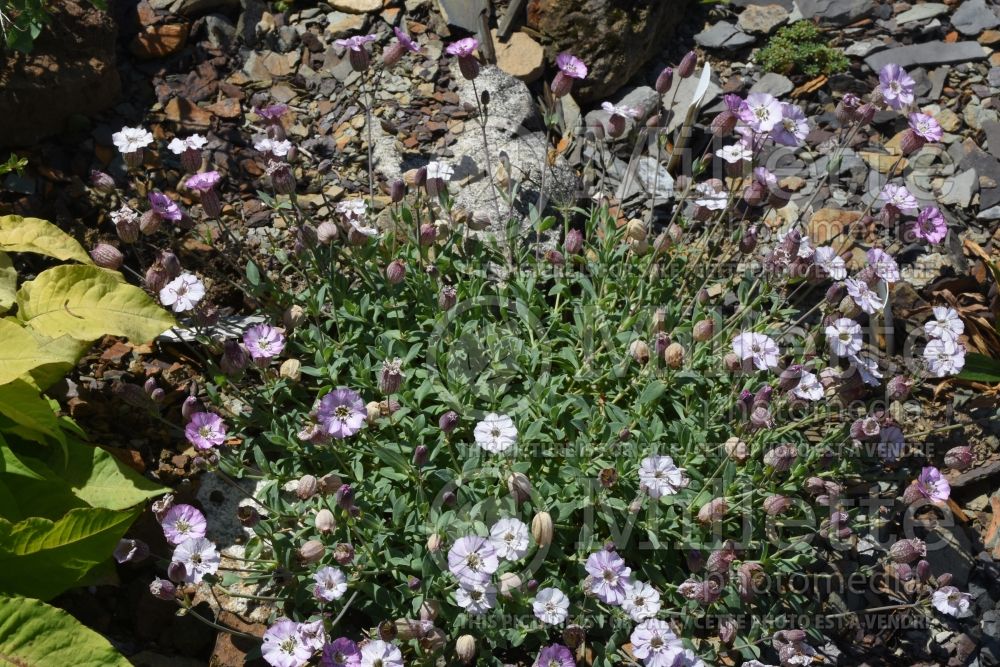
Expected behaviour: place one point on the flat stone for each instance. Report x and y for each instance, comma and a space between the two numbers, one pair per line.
199, 7
863, 47
949, 550
989, 37
187, 115
975, 116
159, 41
986, 166
827, 224
723, 35
973, 16
357, 6
219, 31
959, 189
948, 120
773, 84
762, 19
520, 56
928, 53
836, 12
992, 130
922, 12
342, 24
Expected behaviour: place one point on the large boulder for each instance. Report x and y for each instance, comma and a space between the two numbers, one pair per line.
70, 71
614, 38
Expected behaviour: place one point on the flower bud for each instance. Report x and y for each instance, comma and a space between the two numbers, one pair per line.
428, 234
574, 242
102, 182
509, 582
727, 631
343, 553
434, 542
177, 572
327, 232
674, 355
541, 529
107, 256
387, 631
712, 511
737, 450
724, 123
360, 59
866, 113
149, 223
324, 521
911, 142
465, 649
923, 571
372, 408
777, 504
520, 488
311, 552
429, 610
815, 486
749, 241
420, 455
731, 362
959, 458
291, 370
898, 388
639, 351
664, 81
907, 551
781, 458
397, 190
704, 330
395, 272
561, 84
307, 487
687, 65
944, 579
163, 589
469, 67
447, 298
448, 421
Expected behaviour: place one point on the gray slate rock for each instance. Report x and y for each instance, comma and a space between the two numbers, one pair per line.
959, 189
922, 12
836, 12
986, 166
928, 53
992, 130
773, 84
219, 31
973, 16
723, 36
762, 19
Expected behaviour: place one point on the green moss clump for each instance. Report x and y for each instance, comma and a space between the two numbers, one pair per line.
800, 48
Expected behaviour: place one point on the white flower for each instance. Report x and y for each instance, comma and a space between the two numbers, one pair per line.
361, 228
275, 148
713, 195
551, 606
620, 110
867, 366
762, 349
476, 598
806, 250
944, 357
331, 584
808, 387
642, 601
440, 170
833, 264
885, 266
312, 634
865, 297
182, 293
496, 433
735, 153
844, 336
192, 143
946, 325
949, 600
658, 476
132, 139
655, 644
352, 208
509, 538
378, 653
199, 557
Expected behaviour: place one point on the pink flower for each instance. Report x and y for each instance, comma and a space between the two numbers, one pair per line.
164, 206
761, 112
183, 522
355, 43
925, 127
341, 652
271, 112
406, 41
283, 645
571, 66
883, 263
930, 225
263, 341
463, 48
199, 557
932, 485
609, 577
898, 196
793, 128
205, 430
342, 412
204, 181
896, 86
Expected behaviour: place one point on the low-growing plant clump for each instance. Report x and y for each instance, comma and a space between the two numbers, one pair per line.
603, 441
801, 48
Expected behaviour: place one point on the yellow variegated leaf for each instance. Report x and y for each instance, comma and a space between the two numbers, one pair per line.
8, 283
87, 302
19, 234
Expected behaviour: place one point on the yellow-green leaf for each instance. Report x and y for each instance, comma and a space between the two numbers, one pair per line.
8, 283
100, 480
43, 558
86, 302
34, 634
19, 234
20, 352
21, 403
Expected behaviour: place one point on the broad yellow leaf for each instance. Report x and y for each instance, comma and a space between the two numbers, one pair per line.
8, 283
21, 351
87, 302
19, 234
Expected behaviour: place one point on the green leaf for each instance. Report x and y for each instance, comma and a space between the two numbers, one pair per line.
980, 368
100, 480
42, 558
33, 633
86, 302
21, 403
8, 283
21, 351
19, 234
